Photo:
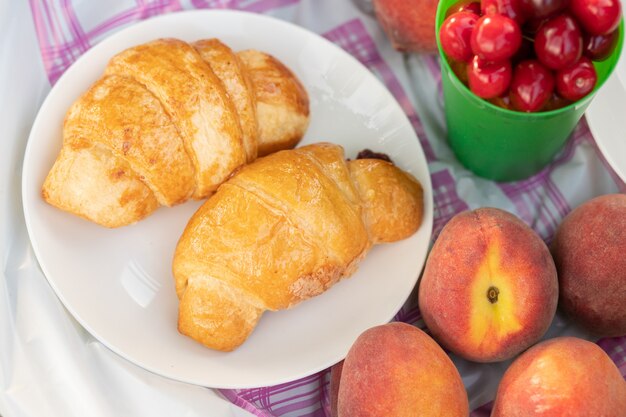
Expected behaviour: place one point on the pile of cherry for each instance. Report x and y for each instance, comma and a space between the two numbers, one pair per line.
530, 55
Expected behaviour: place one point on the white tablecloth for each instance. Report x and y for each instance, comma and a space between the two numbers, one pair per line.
50, 366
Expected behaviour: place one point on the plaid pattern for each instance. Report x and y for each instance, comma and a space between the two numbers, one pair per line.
538, 200
63, 36
615, 347
447, 202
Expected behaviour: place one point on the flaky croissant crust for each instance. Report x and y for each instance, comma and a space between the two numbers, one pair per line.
284, 229
169, 121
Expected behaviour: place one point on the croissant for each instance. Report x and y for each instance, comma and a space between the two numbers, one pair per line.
169, 121
281, 230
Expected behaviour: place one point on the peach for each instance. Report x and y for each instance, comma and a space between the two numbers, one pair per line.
561, 377
398, 370
589, 251
489, 288
409, 24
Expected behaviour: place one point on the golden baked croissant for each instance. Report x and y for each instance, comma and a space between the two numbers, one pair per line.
169, 121
284, 229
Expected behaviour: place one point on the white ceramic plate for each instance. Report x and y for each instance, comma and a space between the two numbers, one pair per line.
606, 116
118, 283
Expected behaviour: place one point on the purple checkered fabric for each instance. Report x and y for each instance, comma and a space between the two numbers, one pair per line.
63, 37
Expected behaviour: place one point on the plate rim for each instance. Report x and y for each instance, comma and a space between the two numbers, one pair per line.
592, 114
428, 213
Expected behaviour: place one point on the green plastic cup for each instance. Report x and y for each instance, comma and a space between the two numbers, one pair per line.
505, 145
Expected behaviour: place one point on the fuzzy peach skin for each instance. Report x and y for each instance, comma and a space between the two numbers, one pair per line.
489, 288
589, 251
561, 377
409, 24
398, 370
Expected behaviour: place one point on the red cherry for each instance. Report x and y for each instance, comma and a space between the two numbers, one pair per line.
559, 42
508, 8
488, 7
599, 47
531, 86
597, 17
488, 79
576, 81
496, 37
455, 34
539, 9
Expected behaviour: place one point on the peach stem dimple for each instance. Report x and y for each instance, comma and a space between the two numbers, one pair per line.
492, 294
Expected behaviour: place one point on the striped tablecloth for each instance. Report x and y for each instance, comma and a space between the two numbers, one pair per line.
65, 29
